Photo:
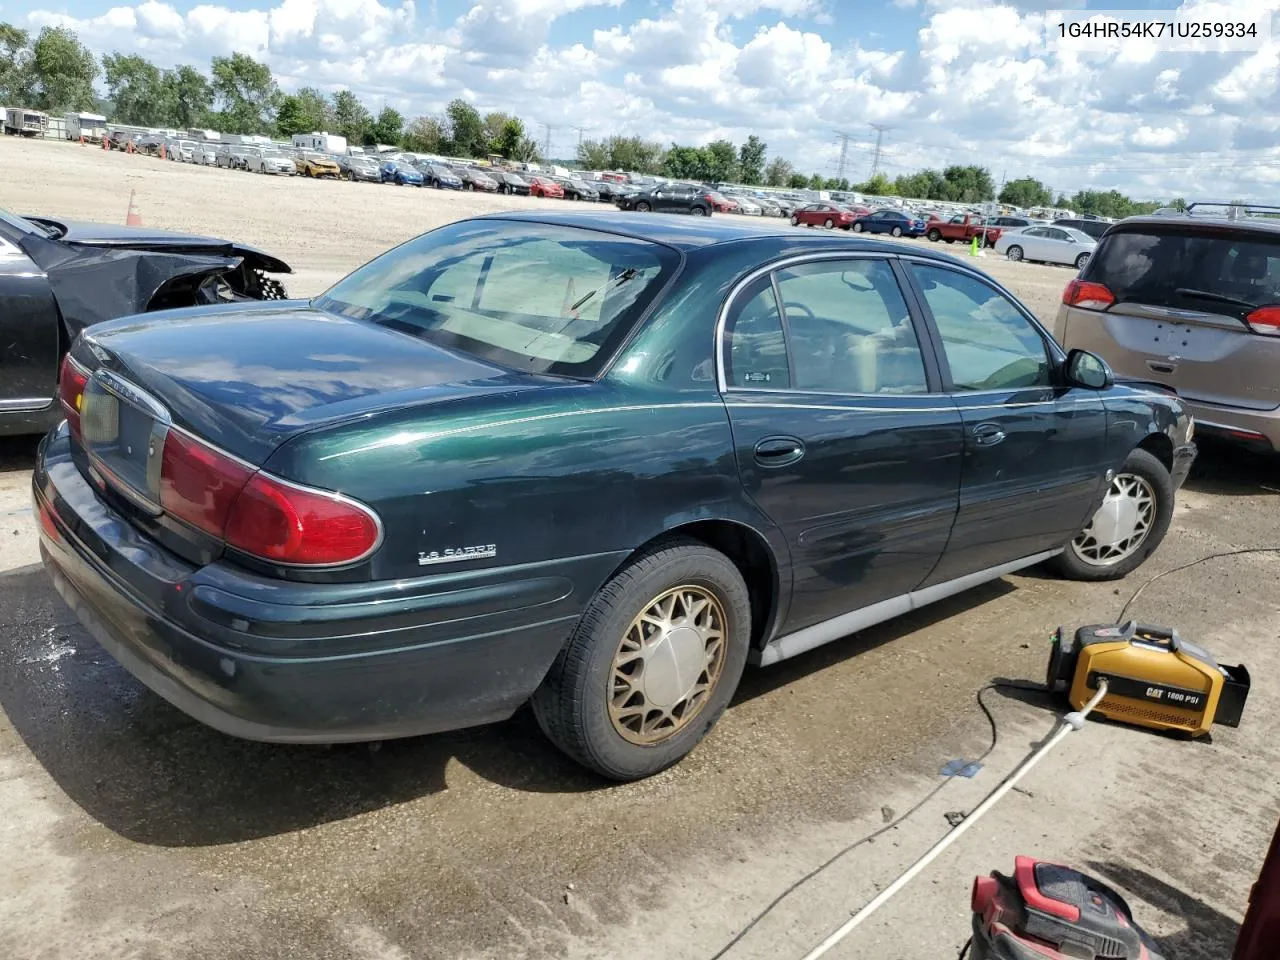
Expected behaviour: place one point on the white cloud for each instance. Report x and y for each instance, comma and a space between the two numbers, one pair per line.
975, 83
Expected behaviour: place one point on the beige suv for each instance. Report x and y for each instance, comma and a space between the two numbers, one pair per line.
1191, 301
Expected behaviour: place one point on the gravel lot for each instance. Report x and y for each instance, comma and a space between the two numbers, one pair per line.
131, 831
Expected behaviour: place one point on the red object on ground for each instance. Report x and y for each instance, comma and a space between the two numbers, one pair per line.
1260, 934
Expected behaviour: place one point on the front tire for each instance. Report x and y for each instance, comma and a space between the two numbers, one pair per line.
795, 221
829, 223
1126, 529
934, 235
1014, 253
651, 665
642, 207
699, 211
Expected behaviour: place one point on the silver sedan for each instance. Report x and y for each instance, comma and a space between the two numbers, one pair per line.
1048, 244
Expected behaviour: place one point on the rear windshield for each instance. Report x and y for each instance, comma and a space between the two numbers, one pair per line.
1189, 270
534, 297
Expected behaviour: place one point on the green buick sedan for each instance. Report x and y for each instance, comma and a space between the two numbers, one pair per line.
596, 462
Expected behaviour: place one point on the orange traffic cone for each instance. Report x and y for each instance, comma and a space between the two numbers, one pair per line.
82, 139
162, 151
133, 218
106, 142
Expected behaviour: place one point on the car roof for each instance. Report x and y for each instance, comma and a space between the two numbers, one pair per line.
1254, 224
693, 233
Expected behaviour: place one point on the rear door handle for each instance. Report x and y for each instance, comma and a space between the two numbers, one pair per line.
778, 451
1159, 367
987, 434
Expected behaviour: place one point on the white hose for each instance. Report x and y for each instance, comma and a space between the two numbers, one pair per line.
1071, 722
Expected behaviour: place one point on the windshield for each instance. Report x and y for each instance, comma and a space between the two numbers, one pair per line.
26, 226
534, 297
1189, 268
1079, 235
442, 171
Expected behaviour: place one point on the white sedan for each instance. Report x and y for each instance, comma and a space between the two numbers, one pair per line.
1048, 244
748, 206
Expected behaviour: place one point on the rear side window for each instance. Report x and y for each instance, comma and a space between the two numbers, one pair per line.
1189, 270
756, 354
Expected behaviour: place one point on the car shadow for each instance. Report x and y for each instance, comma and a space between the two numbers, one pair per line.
1209, 934
1231, 470
758, 682
153, 775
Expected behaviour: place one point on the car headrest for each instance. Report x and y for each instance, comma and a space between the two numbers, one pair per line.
1249, 266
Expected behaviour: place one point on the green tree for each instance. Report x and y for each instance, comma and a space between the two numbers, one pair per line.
15, 64
722, 162
878, 186
621, 153
246, 94
1178, 203
351, 118
687, 163
798, 181
778, 173
751, 160
466, 130
424, 135
816, 182
62, 71
968, 184
1026, 192
187, 96
1063, 202
511, 141
388, 127
306, 111
135, 88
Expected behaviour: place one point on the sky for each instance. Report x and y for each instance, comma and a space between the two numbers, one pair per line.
951, 81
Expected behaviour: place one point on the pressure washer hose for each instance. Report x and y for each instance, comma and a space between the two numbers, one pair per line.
1070, 723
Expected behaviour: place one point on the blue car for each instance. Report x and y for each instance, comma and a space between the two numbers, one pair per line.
892, 222
400, 173
442, 178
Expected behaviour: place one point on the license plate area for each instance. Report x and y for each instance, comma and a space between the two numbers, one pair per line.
123, 431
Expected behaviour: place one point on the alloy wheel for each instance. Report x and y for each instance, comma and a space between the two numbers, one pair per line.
667, 664
1121, 524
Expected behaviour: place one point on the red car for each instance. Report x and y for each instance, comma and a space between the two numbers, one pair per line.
720, 203
829, 215
543, 187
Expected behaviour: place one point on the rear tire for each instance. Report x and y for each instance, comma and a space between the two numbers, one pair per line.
1142, 488
795, 221
589, 705
895, 232
1014, 253
1081, 261
699, 211
857, 228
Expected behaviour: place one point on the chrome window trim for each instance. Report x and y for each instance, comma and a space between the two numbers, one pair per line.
26, 404
781, 264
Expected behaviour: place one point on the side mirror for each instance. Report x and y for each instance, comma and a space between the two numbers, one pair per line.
1088, 370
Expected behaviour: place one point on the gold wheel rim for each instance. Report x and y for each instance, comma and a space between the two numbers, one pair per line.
667, 664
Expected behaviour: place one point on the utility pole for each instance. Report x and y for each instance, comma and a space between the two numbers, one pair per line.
879, 128
844, 153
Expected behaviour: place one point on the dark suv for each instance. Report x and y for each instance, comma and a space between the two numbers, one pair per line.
1094, 228
1193, 302
669, 198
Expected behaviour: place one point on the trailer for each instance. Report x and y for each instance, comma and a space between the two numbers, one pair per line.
23, 122
91, 126
327, 143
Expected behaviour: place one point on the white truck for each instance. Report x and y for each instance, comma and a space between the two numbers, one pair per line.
22, 122
91, 126
327, 143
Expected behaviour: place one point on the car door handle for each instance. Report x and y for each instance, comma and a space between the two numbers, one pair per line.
778, 451
987, 434
1159, 367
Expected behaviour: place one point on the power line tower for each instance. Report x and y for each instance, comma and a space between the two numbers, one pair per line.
580, 132
844, 153
879, 128
546, 140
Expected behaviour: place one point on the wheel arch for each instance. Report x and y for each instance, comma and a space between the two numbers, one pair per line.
1159, 446
749, 550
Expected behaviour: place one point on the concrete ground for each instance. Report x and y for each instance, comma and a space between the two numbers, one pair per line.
131, 831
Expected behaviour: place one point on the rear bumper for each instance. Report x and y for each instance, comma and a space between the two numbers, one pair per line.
1257, 429
293, 662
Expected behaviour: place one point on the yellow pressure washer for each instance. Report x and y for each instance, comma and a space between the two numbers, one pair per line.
1154, 678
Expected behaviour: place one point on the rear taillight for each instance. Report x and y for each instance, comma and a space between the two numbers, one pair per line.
1090, 296
72, 380
1265, 320
285, 523
259, 514
198, 484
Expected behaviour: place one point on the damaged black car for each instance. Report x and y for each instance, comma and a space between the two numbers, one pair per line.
59, 276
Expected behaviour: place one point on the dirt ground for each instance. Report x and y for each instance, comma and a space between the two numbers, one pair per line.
131, 831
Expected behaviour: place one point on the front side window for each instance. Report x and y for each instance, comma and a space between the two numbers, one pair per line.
988, 343
533, 297
850, 330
